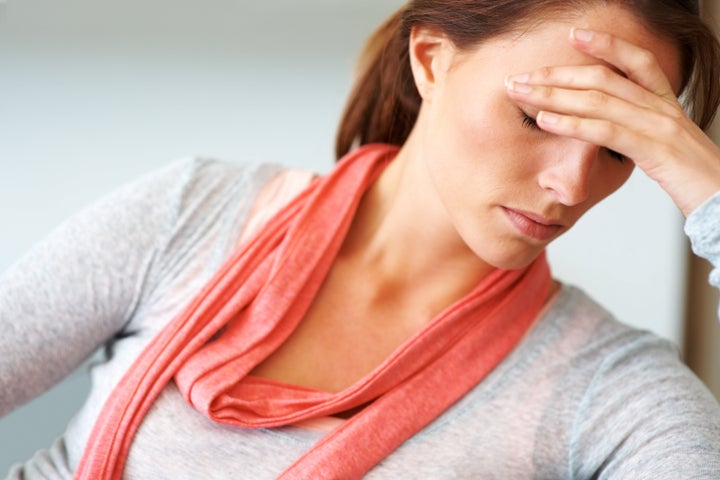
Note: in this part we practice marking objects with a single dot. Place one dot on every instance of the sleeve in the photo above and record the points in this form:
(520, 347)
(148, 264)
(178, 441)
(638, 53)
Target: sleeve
(646, 416)
(701, 227)
(77, 288)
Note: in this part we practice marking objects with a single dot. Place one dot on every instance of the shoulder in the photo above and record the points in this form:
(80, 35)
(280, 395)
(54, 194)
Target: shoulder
(585, 396)
(193, 194)
(639, 409)
(610, 354)
(194, 210)
(192, 177)
(229, 195)
(161, 194)
(577, 329)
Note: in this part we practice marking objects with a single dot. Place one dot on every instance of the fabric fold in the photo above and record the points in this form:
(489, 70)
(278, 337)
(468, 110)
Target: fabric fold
(255, 302)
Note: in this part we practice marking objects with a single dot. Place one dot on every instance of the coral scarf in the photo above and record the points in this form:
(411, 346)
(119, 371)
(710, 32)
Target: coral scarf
(255, 301)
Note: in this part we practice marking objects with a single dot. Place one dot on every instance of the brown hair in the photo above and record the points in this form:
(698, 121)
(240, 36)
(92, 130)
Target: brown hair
(384, 102)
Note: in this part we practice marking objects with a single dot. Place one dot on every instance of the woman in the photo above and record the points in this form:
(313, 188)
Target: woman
(395, 318)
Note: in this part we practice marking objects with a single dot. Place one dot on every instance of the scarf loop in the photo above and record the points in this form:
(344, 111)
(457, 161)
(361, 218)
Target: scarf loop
(255, 301)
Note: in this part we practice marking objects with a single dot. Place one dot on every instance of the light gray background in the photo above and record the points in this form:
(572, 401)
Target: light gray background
(94, 93)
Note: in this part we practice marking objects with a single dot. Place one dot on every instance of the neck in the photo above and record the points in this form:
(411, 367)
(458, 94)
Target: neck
(403, 237)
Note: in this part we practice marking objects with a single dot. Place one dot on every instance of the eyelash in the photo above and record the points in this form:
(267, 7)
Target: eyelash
(531, 123)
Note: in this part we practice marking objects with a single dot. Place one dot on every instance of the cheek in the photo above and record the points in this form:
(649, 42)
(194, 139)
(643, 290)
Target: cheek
(474, 139)
(480, 121)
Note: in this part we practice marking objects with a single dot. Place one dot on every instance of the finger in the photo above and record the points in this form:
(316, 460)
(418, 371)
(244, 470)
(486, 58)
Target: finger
(644, 148)
(685, 165)
(595, 131)
(596, 77)
(589, 104)
(638, 64)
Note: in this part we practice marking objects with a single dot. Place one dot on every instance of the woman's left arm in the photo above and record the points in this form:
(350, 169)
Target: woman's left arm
(626, 104)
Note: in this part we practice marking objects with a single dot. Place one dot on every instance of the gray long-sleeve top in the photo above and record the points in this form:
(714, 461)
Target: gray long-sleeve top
(583, 396)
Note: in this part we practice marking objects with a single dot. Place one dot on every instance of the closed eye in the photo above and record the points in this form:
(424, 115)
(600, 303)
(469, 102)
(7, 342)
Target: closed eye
(529, 122)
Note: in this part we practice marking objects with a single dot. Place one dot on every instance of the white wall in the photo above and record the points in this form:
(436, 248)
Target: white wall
(94, 93)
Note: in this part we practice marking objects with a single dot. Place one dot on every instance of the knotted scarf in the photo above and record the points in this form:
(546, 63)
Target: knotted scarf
(256, 300)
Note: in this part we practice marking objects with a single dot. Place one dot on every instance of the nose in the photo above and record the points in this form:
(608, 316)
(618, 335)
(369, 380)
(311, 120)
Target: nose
(568, 171)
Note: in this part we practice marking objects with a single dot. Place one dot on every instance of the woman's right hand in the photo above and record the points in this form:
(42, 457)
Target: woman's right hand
(629, 107)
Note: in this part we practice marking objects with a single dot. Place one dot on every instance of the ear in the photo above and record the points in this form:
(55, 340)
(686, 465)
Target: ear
(431, 54)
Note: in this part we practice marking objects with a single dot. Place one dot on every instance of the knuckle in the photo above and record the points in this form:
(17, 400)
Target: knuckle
(597, 100)
(545, 73)
(600, 74)
(669, 107)
(675, 112)
(546, 93)
(670, 126)
(645, 60)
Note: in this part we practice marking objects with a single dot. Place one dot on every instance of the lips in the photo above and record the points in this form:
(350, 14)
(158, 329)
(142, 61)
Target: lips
(533, 225)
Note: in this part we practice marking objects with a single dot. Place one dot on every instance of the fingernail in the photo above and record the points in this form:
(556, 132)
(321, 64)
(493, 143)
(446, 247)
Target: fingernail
(582, 35)
(518, 87)
(547, 118)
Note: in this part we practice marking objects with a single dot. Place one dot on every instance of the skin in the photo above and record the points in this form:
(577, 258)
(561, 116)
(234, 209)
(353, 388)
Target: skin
(637, 114)
(479, 157)
(440, 217)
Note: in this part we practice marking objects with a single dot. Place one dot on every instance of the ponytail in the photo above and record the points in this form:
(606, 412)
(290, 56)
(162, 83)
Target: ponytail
(384, 102)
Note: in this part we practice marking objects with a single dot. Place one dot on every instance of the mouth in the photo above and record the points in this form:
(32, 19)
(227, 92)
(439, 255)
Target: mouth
(533, 225)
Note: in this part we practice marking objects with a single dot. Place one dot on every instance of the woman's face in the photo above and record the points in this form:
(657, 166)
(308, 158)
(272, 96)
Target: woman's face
(508, 188)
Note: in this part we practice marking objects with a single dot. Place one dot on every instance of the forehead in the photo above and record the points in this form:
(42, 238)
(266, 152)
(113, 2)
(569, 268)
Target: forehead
(545, 42)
